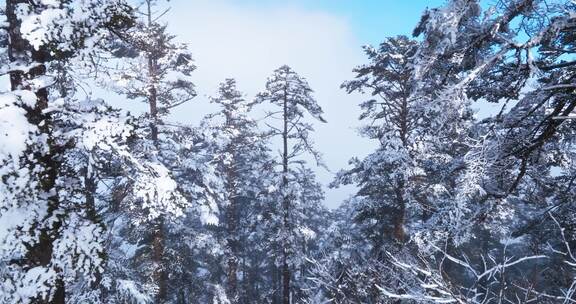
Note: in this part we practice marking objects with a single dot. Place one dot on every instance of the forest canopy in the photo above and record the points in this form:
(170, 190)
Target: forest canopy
(98, 205)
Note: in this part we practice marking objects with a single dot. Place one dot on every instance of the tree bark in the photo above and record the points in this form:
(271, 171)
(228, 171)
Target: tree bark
(400, 218)
(231, 215)
(286, 207)
(159, 274)
(158, 237)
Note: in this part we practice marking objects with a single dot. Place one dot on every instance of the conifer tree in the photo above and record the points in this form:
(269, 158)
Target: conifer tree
(241, 154)
(293, 96)
(165, 85)
(394, 123)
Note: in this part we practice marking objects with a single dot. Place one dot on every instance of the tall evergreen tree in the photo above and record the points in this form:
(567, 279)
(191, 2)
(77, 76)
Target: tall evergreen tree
(388, 178)
(165, 84)
(241, 157)
(293, 96)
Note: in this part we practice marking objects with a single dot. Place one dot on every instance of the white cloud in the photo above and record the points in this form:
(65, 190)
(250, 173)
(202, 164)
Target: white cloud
(249, 42)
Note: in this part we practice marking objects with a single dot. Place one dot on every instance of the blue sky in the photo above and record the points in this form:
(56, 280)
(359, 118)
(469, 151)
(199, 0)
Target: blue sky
(319, 39)
(371, 19)
(374, 19)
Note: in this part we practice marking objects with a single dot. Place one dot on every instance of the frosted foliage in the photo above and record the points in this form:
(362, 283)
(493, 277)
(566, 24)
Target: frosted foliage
(37, 211)
(129, 291)
(442, 25)
(21, 204)
(24, 209)
(295, 191)
(285, 84)
(490, 180)
(155, 190)
(158, 191)
(16, 128)
(81, 239)
(453, 205)
(220, 296)
(158, 63)
(18, 177)
(63, 23)
(418, 134)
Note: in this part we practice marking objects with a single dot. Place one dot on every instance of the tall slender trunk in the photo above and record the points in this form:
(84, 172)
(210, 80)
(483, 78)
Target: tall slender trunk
(233, 258)
(286, 207)
(152, 90)
(231, 215)
(159, 274)
(275, 285)
(47, 163)
(303, 267)
(158, 237)
(158, 229)
(400, 218)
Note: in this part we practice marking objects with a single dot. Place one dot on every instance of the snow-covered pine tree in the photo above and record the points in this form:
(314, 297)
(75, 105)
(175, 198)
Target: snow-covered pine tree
(264, 226)
(401, 183)
(293, 98)
(389, 177)
(241, 156)
(51, 239)
(164, 84)
(421, 128)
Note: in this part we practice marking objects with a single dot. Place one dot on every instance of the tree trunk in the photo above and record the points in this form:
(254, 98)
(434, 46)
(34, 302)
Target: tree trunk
(47, 163)
(286, 207)
(231, 218)
(159, 274)
(158, 237)
(152, 91)
(153, 103)
(400, 218)
(232, 240)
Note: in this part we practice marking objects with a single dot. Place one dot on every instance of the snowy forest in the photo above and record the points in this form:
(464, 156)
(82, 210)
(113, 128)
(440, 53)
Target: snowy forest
(100, 205)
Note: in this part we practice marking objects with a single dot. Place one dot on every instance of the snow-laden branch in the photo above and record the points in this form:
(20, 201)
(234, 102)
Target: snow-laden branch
(434, 287)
